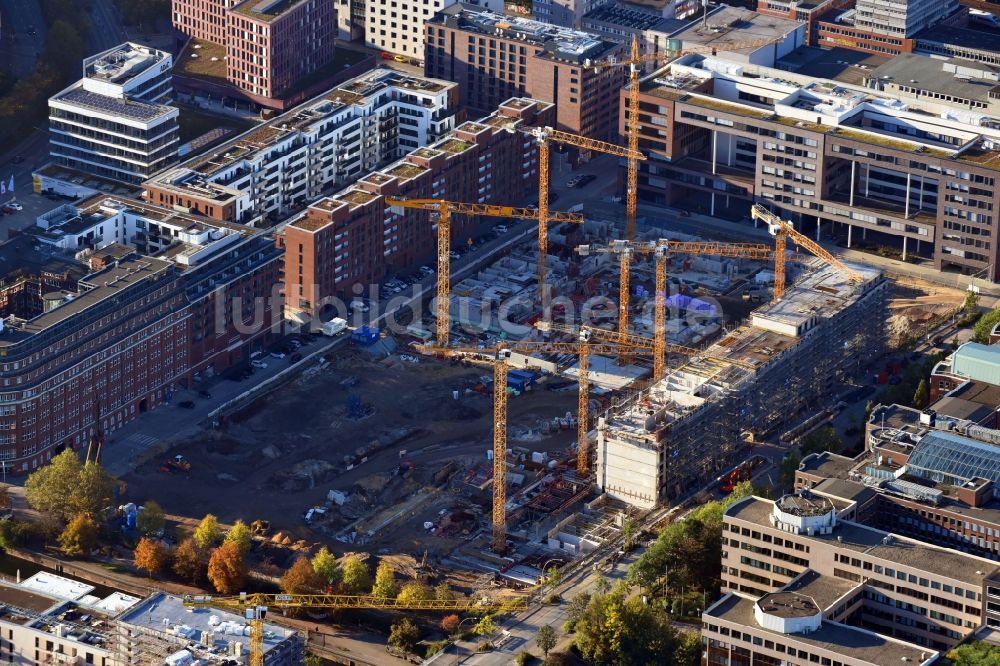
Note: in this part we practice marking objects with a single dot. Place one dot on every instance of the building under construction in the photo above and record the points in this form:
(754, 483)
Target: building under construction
(698, 420)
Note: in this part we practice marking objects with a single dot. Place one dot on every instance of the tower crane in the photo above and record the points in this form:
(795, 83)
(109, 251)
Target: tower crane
(589, 341)
(544, 135)
(674, 49)
(253, 607)
(782, 230)
(444, 210)
(661, 249)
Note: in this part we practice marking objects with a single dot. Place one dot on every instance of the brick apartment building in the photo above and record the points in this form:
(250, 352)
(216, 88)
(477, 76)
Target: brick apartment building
(277, 168)
(352, 238)
(167, 299)
(269, 45)
(876, 580)
(721, 136)
(494, 57)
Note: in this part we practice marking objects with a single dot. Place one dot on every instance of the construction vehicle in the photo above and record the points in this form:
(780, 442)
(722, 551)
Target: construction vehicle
(176, 464)
(254, 608)
(588, 342)
(661, 250)
(782, 230)
(673, 49)
(444, 210)
(545, 135)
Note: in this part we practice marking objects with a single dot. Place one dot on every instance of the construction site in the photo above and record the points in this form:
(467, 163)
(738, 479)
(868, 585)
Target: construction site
(580, 379)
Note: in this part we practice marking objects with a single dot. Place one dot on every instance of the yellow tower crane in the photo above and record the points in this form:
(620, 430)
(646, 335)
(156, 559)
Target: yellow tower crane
(444, 210)
(589, 341)
(782, 230)
(254, 608)
(674, 49)
(661, 249)
(545, 135)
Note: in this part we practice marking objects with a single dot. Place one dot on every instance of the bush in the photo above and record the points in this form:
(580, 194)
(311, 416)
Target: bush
(523, 658)
(435, 647)
(484, 646)
(553, 599)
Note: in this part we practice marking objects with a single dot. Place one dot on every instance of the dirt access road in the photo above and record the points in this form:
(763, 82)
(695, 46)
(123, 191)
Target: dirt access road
(282, 454)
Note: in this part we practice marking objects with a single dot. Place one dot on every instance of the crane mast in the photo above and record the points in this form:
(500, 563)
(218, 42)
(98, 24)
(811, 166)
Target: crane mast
(444, 210)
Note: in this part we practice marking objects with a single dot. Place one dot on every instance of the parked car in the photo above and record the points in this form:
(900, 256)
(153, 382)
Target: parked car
(278, 354)
(186, 404)
(15, 205)
(258, 364)
(295, 358)
(204, 394)
(386, 55)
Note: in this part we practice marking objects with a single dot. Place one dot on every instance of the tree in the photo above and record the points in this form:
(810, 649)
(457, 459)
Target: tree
(975, 653)
(356, 578)
(93, 491)
(981, 331)
(442, 592)
(449, 623)
(208, 533)
(545, 639)
(385, 582)
(787, 468)
(151, 519)
(821, 439)
(80, 536)
(619, 631)
(576, 607)
(325, 566)
(239, 534)
(559, 659)
(414, 592)
(187, 561)
(227, 570)
(66, 487)
(310, 659)
(629, 531)
(151, 555)
(688, 649)
(922, 395)
(554, 577)
(486, 626)
(971, 303)
(404, 635)
(602, 585)
(301, 578)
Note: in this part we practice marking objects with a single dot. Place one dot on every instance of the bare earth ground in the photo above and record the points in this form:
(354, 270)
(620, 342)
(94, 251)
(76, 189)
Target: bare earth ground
(281, 455)
(915, 304)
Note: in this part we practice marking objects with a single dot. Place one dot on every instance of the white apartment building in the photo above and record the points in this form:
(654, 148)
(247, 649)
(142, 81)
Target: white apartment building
(314, 149)
(115, 122)
(397, 26)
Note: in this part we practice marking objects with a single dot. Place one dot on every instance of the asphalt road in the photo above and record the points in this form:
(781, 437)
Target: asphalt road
(18, 49)
(106, 26)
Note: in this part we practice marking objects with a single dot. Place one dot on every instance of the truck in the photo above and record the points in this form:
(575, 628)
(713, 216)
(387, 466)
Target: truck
(334, 326)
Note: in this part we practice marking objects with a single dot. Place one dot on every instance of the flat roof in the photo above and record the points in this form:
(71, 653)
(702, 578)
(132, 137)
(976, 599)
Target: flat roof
(265, 10)
(162, 612)
(123, 62)
(825, 591)
(555, 41)
(964, 37)
(838, 638)
(23, 598)
(828, 464)
(123, 108)
(634, 19)
(848, 535)
(925, 73)
(57, 586)
(733, 24)
(836, 64)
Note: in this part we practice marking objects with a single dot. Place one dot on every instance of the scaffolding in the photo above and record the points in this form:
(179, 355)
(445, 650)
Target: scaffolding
(695, 422)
